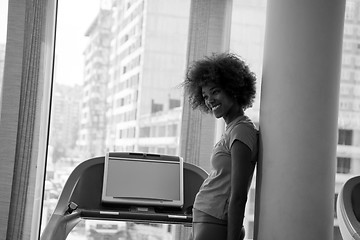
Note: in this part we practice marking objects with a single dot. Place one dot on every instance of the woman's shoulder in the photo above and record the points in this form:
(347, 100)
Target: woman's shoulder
(242, 122)
(243, 130)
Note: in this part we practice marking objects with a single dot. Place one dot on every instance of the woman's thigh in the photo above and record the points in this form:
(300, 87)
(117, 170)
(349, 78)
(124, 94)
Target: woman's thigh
(209, 231)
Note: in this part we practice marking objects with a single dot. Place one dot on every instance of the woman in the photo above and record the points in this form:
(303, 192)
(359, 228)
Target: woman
(224, 86)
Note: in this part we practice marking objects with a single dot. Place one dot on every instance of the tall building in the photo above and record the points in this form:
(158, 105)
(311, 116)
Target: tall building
(159, 132)
(129, 69)
(96, 75)
(64, 120)
(143, 97)
(132, 76)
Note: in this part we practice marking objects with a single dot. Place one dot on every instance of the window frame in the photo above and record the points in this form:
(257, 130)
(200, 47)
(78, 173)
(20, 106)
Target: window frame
(28, 69)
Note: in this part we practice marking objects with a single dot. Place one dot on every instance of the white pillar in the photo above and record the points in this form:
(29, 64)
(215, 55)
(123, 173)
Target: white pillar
(298, 120)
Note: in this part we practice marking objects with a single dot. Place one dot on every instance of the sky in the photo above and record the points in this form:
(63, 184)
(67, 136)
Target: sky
(74, 17)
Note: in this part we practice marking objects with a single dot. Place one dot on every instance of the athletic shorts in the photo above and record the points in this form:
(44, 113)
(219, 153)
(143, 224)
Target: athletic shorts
(201, 217)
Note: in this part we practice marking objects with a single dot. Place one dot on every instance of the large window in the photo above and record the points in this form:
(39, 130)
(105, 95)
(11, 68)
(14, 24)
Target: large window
(117, 72)
(117, 68)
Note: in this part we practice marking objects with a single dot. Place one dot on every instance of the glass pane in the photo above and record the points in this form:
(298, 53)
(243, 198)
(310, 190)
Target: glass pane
(118, 66)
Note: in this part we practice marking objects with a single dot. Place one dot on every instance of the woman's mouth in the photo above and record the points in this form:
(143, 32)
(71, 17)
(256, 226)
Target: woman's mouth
(214, 108)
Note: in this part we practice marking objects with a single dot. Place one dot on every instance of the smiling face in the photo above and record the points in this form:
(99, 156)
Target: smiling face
(220, 103)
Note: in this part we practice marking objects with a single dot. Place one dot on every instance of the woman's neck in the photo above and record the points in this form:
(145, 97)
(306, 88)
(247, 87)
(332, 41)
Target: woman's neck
(233, 115)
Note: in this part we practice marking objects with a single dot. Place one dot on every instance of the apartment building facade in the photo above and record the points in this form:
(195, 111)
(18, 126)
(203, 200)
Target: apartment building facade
(145, 72)
(91, 141)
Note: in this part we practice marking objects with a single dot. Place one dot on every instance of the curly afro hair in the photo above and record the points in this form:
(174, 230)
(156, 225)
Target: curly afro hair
(225, 70)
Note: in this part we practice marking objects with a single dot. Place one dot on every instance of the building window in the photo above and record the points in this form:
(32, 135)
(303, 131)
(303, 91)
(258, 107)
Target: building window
(345, 137)
(160, 150)
(343, 165)
(143, 149)
(172, 130)
(171, 150)
(174, 103)
(145, 132)
(161, 131)
(156, 107)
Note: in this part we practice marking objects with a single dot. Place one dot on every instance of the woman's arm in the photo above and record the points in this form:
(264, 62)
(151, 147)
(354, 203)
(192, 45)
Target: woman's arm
(241, 168)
